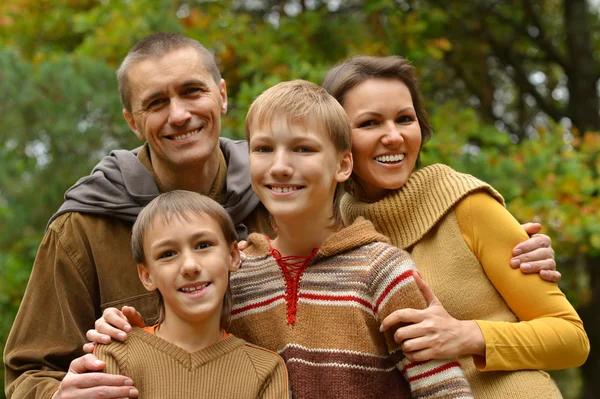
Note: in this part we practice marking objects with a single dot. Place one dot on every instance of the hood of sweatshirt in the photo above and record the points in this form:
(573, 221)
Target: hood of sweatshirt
(121, 186)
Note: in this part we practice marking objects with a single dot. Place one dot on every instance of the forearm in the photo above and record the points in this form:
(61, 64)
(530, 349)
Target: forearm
(549, 334)
(47, 332)
(546, 343)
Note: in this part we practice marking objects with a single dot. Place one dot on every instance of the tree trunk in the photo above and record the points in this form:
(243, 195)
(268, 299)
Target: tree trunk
(591, 321)
(582, 69)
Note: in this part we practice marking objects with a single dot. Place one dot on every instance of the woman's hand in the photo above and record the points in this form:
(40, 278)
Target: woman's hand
(536, 254)
(114, 324)
(434, 334)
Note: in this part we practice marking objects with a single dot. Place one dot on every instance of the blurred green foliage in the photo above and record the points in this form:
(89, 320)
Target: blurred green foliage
(60, 111)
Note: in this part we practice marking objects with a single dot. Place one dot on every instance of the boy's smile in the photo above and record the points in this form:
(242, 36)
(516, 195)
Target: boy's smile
(294, 170)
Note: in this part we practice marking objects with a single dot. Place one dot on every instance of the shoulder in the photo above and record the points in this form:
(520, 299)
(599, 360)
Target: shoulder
(263, 359)
(76, 227)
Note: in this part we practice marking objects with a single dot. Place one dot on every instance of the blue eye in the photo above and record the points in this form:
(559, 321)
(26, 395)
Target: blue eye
(263, 149)
(305, 149)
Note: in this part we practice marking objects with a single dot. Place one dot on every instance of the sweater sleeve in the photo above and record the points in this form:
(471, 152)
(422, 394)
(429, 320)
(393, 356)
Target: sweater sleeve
(44, 339)
(394, 288)
(276, 386)
(550, 334)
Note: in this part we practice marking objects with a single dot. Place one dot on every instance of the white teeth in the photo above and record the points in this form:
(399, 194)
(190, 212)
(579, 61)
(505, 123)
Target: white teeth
(284, 189)
(390, 158)
(197, 288)
(185, 135)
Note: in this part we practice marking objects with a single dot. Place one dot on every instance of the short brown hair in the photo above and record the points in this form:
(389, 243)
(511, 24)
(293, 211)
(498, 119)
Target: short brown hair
(350, 73)
(157, 45)
(305, 104)
(178, 204)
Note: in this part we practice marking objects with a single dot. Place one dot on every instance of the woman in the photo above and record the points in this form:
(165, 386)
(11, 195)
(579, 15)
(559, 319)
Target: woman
(460, 235)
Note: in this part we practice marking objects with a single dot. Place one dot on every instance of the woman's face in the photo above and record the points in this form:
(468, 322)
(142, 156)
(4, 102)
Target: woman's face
(386, 136)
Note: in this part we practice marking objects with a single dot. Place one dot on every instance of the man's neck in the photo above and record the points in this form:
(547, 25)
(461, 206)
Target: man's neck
(199, 178)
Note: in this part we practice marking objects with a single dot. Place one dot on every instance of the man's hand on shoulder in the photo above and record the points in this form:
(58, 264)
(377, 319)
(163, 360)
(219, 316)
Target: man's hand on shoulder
(85, 379)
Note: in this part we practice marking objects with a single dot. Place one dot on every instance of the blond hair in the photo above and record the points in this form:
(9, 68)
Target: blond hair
(179, 204)
(305, 104)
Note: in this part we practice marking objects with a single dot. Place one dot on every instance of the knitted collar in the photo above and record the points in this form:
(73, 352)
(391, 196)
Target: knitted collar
(410, 212)
(359, 233)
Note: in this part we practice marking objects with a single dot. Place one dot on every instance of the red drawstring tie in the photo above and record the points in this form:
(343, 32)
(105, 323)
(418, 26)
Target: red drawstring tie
(292, 268)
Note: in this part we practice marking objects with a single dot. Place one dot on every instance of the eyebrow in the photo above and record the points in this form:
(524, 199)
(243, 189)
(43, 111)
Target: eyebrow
(199, 235)
(409, 108)
(190, 82)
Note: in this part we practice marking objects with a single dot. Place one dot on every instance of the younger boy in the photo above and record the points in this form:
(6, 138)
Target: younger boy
(318, 292)
(185, 245)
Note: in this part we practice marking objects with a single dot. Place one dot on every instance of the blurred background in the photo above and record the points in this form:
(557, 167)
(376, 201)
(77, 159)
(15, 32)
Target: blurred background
(512, 88)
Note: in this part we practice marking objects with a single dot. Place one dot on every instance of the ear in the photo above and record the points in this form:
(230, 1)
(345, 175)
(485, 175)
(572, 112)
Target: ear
(132, 125)
(344, 169)
(234, 253)
(223, 93)
(146, 277)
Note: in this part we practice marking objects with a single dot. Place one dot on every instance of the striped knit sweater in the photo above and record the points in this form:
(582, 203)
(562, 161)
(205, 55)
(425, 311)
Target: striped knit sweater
(229, 368)
(326, 325)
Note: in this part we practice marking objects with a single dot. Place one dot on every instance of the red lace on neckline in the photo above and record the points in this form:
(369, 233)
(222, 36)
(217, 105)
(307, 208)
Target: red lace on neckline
(292, 268)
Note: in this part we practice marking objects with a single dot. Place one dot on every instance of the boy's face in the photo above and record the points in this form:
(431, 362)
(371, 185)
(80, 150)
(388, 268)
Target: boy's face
(188, 261)
(295, 170)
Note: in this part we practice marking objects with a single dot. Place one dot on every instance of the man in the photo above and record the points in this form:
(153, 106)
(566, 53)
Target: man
(173, 98)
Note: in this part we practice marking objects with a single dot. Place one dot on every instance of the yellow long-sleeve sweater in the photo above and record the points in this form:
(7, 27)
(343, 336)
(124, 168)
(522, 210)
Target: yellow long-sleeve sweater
(461, 238)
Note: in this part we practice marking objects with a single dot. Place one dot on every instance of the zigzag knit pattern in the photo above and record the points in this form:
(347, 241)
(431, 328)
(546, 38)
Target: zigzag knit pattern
(334, 348)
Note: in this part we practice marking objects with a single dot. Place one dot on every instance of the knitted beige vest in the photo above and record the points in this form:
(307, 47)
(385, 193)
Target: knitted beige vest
(419, 218)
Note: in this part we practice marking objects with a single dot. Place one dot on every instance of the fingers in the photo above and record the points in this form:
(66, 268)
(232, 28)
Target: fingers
(552, 276)
(112, 324)
(408, 333)
(532, 228)
(95, 338)
(401, 316)
(533, 262)
(535, 242)
(133, 317)
(242, 245)
(420, 356)
(86, 363)
(96, 385)
(89, 347)
(430, 297)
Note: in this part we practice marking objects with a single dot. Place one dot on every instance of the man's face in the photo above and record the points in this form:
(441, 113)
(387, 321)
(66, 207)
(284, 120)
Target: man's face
(176, 106)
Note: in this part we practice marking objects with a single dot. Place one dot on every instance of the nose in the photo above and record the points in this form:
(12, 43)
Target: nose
(393, 135)
(281, 165)
(191, 265)
(178, 112)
